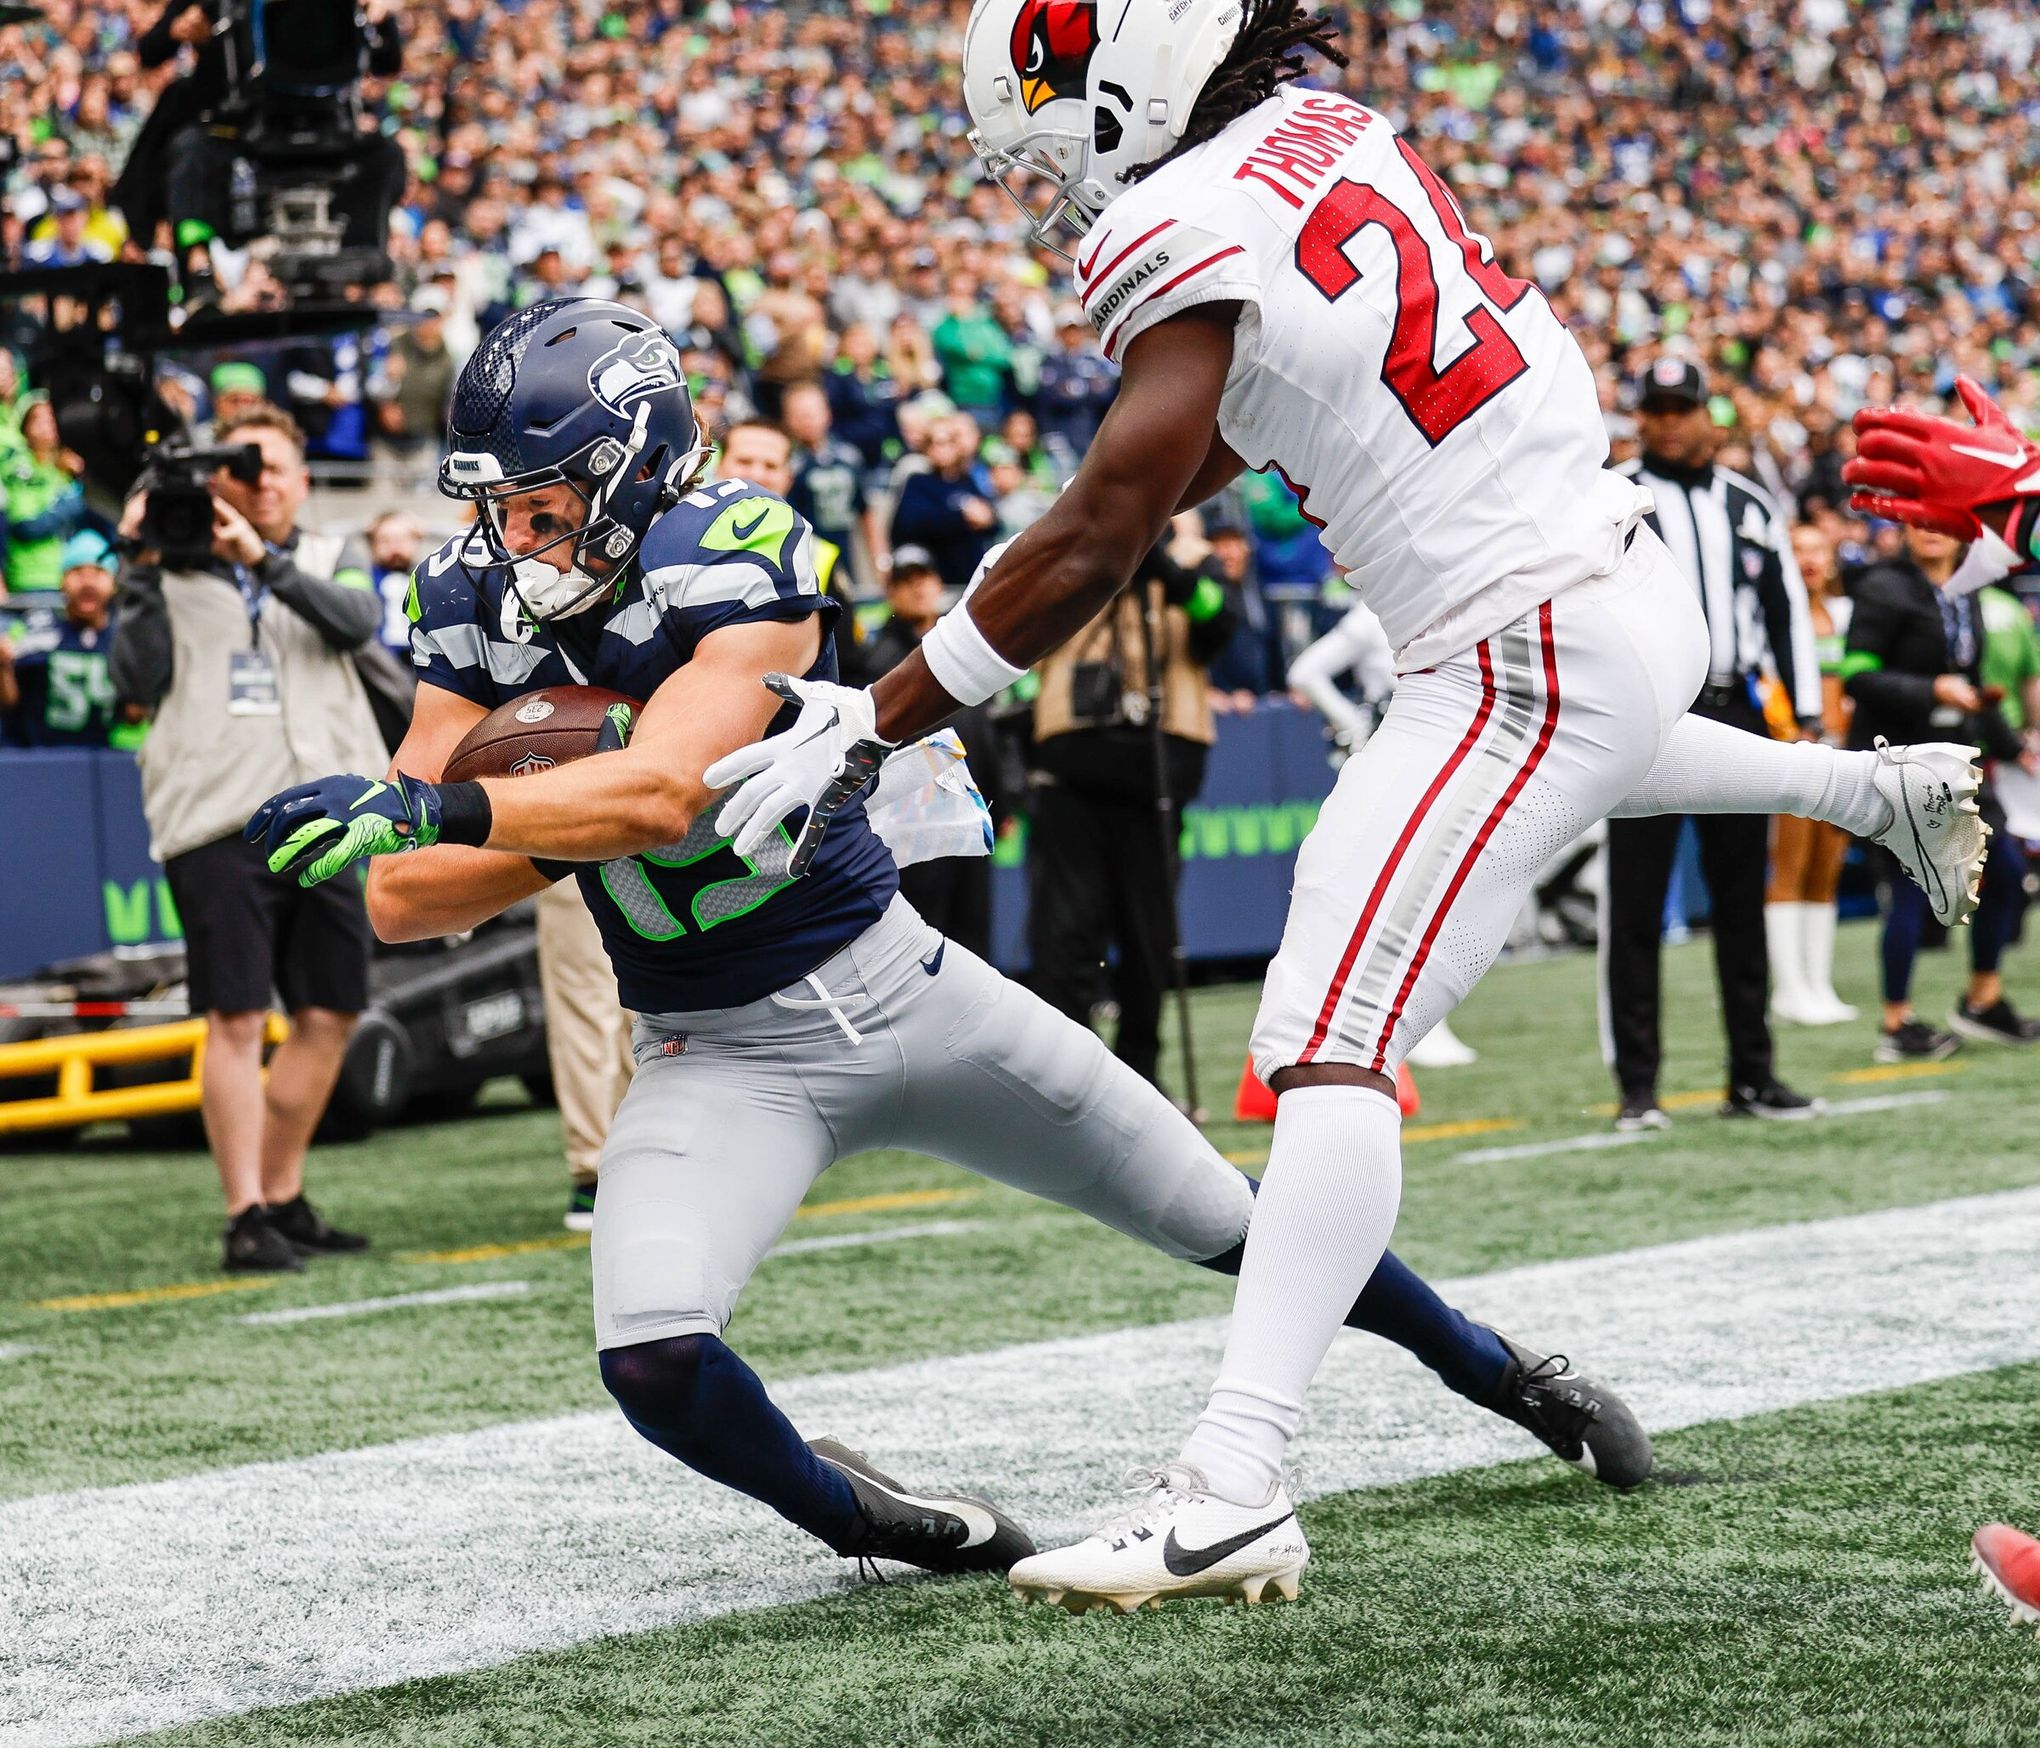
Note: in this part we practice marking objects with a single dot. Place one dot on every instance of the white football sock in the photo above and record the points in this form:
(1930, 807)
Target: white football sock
(1708, 767)
(1323, 1217)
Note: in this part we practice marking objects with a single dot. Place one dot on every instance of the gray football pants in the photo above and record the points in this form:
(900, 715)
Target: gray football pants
(734, 1112)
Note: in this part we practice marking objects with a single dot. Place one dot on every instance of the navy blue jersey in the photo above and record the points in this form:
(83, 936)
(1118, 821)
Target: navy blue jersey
(66, 692)
(690, 924)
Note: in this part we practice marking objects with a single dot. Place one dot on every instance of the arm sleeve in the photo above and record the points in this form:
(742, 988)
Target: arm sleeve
(1356, 645)
(344, 612)
(1987, 561)
(140, 663)
(1873, 629)
(1788, 625)
(1147, 267)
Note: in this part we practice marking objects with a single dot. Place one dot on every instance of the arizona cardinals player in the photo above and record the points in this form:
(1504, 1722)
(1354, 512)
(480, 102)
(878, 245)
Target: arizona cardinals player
(1286, 284)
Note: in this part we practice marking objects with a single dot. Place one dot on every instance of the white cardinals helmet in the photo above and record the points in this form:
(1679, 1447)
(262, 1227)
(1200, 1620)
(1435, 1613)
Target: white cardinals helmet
(1079, 92)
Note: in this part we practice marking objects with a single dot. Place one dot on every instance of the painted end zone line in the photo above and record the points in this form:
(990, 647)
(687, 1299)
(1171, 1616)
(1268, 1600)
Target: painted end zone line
(514, 1289)
(394, 1302)
(464, 1550)
(1619, 1138)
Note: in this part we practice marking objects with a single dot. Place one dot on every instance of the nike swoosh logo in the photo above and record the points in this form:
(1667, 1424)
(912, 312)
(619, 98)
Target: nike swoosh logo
(2008, 457)
(369, 794)
(1188, 1562)
(741, 525)
(980, 1522)
(933, 963)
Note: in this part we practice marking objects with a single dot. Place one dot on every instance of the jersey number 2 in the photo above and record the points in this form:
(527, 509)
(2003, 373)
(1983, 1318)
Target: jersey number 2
(1437, 401)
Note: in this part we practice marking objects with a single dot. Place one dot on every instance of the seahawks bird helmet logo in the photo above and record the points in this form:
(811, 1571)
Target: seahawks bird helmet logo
(636, 367)
(1052, 45)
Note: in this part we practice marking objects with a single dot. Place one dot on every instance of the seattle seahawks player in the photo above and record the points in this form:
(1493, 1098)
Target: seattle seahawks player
(782, 1023)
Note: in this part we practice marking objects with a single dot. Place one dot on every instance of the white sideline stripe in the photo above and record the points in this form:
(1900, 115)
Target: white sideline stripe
(510, 1289)
(394, 1302)
(884, 1235)
(1620, 1138)
(134, 1608)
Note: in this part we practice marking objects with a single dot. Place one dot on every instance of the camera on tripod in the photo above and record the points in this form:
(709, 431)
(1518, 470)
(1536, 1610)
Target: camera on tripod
(178, 521)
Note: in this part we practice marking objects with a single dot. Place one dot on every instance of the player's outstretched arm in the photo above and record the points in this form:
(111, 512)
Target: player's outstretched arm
(450, 887)
(1156, 450)
(635, 798)
(651, 792)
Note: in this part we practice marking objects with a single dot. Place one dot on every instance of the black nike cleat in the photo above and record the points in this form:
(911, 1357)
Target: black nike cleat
(941, 1532)
(1583, 1421)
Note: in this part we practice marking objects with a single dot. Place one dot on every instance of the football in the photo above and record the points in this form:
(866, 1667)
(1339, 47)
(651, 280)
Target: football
(533, 733)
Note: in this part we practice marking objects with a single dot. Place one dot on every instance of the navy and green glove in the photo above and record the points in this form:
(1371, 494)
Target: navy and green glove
(317, 829)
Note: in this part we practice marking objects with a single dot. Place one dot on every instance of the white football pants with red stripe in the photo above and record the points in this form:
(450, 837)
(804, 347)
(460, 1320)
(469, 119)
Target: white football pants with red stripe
(1482, 769)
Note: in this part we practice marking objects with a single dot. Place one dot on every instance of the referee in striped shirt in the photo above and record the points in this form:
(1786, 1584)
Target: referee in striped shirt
(1728, 537)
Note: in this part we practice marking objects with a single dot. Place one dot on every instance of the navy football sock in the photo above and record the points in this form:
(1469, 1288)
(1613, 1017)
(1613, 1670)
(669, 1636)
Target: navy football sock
(1399, 1306)
(692, 1397)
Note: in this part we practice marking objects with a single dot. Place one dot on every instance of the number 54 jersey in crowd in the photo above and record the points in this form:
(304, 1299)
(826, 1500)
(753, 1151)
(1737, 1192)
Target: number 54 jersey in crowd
(691, 924)
(1434, 417)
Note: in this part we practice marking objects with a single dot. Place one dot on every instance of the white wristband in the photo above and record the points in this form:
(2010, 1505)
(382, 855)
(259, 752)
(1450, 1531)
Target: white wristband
(963, 663)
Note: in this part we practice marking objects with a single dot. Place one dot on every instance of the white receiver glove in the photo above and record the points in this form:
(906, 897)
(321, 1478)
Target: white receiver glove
(826, 758)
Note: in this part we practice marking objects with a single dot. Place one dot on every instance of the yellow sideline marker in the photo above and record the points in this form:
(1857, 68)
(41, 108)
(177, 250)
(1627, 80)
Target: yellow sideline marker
(1414, 1133)
(1686, 1101)
(1896, 1071)
(148, 1295)
(579, 1240)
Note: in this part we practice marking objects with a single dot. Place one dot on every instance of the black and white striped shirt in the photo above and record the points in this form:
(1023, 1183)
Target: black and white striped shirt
(1727, 535)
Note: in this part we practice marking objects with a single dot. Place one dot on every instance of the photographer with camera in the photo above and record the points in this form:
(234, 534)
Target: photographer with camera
(237, 632)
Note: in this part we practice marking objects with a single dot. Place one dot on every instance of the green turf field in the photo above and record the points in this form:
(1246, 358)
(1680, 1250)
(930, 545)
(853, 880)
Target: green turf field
(1797, 1577)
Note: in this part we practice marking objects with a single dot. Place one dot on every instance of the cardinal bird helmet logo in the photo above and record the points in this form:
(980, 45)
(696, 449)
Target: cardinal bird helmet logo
(1052, 44)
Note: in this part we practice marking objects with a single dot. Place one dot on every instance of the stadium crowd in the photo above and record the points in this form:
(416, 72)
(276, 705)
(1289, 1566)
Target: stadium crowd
(1822, 203)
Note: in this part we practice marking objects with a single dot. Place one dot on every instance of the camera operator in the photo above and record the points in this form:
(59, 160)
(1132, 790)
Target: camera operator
(1101, 860)
(176, 167)
(243, 657)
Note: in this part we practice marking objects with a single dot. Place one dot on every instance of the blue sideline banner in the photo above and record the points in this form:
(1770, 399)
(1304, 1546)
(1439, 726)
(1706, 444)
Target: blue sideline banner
(82, 881)
(1263, 785)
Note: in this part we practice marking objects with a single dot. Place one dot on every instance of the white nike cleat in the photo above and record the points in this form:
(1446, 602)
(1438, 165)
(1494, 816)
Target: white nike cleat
(1936, 832)
(1180, 1540)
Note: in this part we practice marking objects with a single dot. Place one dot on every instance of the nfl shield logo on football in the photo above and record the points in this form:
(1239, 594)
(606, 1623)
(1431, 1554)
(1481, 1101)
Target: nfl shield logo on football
(531, 762)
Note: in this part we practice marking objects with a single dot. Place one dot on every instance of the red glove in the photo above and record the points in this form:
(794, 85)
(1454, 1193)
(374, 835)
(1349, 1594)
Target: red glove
(1936, 473)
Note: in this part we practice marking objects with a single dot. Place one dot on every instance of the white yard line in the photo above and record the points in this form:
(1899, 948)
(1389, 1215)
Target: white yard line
(884, 1235)
(1601, 1138)
(133, 1608)
(19, 1350)
(393, 1302)
(511, 1289)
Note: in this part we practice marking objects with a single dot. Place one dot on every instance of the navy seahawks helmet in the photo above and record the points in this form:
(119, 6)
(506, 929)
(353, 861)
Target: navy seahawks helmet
(582, 393)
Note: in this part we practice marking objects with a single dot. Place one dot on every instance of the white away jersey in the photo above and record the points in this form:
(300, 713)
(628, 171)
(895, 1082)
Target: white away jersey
(1435, 418)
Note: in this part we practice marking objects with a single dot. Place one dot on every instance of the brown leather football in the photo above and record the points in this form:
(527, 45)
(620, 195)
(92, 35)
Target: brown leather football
(553, 726)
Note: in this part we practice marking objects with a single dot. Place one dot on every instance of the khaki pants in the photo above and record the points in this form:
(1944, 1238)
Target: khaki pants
(587, 1033)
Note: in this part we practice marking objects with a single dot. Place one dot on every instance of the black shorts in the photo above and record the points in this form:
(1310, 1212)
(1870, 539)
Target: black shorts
(250, 935)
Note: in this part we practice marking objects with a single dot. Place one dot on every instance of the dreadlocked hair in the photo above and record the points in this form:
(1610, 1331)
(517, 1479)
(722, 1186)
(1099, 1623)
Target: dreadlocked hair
(1266, 55)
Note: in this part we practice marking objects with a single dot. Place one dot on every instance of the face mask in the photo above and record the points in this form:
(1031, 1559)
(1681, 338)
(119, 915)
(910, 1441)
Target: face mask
(538, 593)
